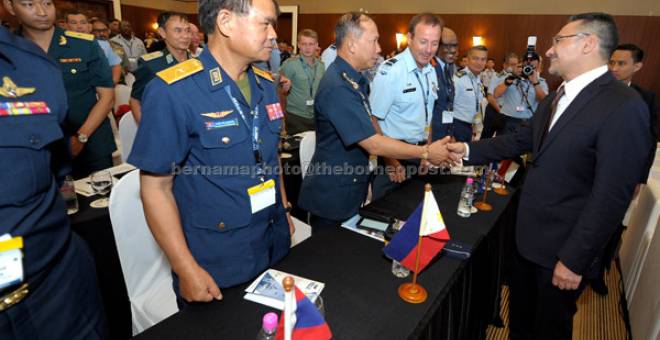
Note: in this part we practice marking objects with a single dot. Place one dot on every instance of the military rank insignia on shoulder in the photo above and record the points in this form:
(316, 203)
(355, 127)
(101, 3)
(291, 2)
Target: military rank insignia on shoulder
(179, 71)
(460, 73)
(84, 36)
(152, 55)
(262, 73)
(387, 65)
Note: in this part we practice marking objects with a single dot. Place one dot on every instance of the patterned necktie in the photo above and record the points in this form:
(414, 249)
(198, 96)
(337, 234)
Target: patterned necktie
(553, 107)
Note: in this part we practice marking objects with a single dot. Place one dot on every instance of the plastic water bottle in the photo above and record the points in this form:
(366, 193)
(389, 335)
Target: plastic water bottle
(268, 327)
(465, 202)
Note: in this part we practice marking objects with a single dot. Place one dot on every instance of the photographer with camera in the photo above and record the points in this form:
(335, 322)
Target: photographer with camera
(521, 91)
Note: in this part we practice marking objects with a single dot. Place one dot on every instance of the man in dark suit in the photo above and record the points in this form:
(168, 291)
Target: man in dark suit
(626, 60)
(444, 68)
(589, 142)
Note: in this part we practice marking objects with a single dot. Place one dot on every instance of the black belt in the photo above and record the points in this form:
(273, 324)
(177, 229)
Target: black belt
(14, 294)
(424, 142)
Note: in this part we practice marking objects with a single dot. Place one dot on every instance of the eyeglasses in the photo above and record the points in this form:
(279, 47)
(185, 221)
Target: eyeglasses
(100, 30)
(558, 38)
(449, 46)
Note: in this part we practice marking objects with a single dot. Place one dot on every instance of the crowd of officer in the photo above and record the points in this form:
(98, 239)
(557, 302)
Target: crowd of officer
(210, 106)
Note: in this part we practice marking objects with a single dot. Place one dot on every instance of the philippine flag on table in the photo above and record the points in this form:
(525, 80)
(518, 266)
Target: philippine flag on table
(310, 325)
(425, 222)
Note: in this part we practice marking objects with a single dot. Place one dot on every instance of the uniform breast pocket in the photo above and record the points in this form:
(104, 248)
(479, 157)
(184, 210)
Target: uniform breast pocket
(226, 143)
(75, 74)
(25, 160)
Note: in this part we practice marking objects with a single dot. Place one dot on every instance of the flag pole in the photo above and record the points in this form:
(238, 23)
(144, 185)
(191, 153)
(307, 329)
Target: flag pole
(413, 292)
(483, 205)
(289, 307)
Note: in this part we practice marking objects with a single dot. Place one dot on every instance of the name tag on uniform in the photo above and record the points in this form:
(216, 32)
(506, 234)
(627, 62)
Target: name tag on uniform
(447, 117)
(412, 89)
(262, 195)
(11, 261)
(310, 102)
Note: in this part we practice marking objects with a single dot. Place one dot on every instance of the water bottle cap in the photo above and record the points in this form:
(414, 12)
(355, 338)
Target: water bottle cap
(470, 180)
(269, 322)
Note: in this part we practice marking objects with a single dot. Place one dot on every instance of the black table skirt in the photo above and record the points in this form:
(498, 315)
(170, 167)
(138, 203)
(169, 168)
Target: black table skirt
(93, 226)
(360, 297)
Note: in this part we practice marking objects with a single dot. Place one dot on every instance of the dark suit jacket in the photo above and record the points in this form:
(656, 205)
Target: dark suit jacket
(581, 178)
(649, 98)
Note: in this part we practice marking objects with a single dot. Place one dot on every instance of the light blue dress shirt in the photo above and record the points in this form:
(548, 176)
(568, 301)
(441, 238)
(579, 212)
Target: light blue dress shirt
(402, 97)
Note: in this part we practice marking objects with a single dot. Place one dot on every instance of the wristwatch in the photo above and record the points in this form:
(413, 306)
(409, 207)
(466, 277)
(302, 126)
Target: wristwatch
(288, 207)
(537, 83)
(82, 138)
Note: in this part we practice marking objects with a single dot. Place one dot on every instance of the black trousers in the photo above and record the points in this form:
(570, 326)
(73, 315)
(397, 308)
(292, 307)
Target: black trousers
(537, 309)
(493, 122)
(323, 225)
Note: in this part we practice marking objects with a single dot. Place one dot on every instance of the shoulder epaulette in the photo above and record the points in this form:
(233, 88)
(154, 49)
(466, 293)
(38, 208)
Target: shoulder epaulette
(391, 61)
(502, 74)
(460, 73)
(333, 47)
(179, 71)
(84, 36)
(152, 55)
(262, 73)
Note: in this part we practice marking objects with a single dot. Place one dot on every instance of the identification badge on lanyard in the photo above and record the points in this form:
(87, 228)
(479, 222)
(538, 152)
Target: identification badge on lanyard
(11, 261)
(310, 102)
(427, 132)
(262, 195)
(447, 117)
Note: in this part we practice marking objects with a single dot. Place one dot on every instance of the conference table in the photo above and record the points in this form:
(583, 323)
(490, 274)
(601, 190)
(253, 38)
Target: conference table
(360, 296)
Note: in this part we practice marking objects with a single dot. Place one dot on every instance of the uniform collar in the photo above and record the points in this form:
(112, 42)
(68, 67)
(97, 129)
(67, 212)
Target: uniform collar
(343, 66)
(216, 77)
(24, 44)
(59, 39)
(411, 64)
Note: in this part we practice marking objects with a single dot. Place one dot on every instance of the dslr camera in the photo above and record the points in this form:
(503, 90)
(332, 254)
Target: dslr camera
(529, 56)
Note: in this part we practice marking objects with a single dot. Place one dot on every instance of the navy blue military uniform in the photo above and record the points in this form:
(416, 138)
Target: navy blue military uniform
(342, 121)
(84, 68)
(148, 66)
(445, 101)
(62, 300)
(192, 128)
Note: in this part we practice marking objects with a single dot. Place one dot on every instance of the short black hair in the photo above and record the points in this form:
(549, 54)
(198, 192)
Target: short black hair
(349, 23)
(424, 18)
(601, 25)
(101, 20)
(165, 16)
(476, 48)
(74, 12)
(636, 52)
(209, 9)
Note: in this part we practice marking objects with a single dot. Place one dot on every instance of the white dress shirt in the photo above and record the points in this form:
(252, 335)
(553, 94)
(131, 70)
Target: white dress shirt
(573, 88)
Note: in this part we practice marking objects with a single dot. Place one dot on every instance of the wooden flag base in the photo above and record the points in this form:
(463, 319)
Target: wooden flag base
(501, 190)
(483, 206)
(412, 293)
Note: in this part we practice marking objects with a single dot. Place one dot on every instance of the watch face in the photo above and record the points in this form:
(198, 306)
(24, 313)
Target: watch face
(82, 138)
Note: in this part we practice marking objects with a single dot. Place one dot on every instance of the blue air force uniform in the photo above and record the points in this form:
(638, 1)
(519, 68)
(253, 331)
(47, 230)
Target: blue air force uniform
(148, 66)
(469, 92)
(402, 98)
(84, 68)
(338, 176)
(62, 300)
(445, 100)
(192, 128)
(518, 102)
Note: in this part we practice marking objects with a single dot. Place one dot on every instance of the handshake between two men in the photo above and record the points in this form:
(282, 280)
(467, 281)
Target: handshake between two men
(445, 153)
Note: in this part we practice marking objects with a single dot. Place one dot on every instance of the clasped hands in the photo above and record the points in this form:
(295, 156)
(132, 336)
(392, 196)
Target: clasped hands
(445, 153)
